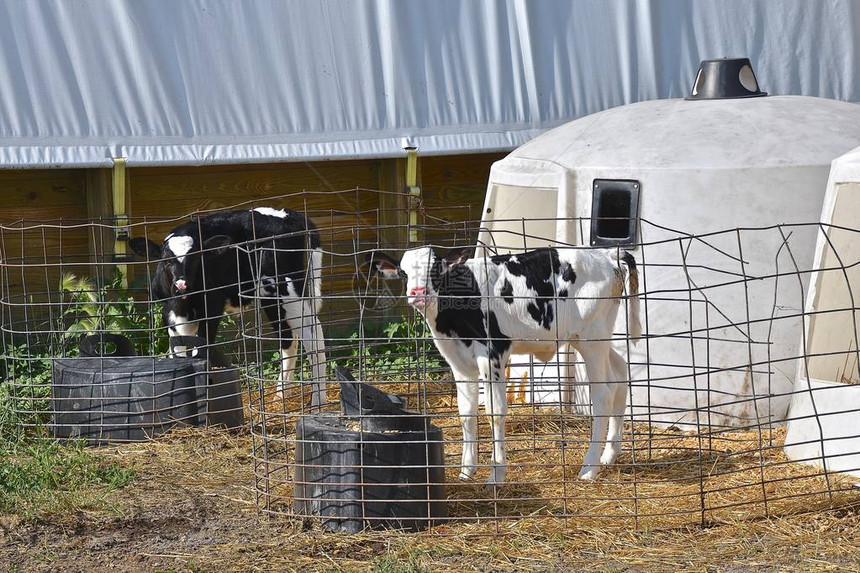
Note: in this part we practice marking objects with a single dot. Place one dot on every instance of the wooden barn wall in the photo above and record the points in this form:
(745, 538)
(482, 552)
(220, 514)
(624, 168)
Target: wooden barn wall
(34, 258)
(447, 183)
(453, 189)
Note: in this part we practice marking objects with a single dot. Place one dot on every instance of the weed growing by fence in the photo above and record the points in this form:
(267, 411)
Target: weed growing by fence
(91, 308)
(25, 391)
(400, 347)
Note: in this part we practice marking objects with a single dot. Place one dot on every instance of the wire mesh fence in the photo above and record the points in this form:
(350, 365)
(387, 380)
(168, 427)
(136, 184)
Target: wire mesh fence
(737, 401)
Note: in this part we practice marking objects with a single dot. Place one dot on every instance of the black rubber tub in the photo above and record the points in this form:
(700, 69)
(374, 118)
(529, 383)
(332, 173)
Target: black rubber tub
(224, 393)
(375, 465)
(128, 398)
(133, 398)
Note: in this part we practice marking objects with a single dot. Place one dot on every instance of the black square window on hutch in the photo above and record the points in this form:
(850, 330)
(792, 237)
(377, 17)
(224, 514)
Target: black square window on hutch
(614, 211)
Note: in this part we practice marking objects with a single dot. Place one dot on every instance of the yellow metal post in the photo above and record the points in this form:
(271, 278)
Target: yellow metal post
(414, 191)
(120, 217)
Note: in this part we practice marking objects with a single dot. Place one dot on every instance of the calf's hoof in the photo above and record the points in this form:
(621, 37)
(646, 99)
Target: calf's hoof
(609, 456)
(497, 477)
(589, 473)
(466, 473)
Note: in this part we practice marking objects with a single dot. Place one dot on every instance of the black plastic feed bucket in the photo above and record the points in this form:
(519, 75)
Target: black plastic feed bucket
(133, 398)
(125, 398)
(373, 466)
(223, 394)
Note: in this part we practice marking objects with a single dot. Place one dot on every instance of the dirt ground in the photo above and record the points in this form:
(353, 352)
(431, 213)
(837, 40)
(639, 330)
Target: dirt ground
(192, 508)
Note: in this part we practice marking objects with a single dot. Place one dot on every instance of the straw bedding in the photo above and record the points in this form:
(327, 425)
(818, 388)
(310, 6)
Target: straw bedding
(193, 507)
(664, 479)
(728, 501)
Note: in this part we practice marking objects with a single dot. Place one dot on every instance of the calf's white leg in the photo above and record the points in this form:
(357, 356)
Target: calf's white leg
(566, 358)
(496, 408)
(618, 399)
(288, 364)
(467, 405)
(312, 339)
(180, 326)
(313, 343)
(596, 358)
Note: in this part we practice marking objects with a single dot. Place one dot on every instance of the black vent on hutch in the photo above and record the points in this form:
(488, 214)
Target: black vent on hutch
(726, 78)
(614, 211)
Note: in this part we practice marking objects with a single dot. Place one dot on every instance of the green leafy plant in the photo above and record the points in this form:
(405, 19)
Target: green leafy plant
(27, 361)
(402, 347)
(25, 390)
(89, 308)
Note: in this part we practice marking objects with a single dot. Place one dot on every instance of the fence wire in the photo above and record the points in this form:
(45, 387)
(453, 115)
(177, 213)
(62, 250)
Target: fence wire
(741, 395)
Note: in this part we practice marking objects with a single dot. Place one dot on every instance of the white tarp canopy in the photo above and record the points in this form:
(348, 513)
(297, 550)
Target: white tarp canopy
(201, 82)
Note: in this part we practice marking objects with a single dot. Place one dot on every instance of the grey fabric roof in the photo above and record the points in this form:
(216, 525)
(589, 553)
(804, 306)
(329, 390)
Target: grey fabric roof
(163, 82)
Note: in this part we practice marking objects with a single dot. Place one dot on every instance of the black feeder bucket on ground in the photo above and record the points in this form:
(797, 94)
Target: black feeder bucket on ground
(109, 395)
(223, 394)
(375, 465)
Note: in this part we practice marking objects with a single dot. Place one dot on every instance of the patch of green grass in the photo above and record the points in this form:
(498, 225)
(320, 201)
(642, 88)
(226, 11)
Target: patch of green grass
(40, 477)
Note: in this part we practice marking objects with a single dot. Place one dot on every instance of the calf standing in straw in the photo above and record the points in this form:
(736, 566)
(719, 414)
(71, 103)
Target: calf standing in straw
(480, 311)
(200, 277)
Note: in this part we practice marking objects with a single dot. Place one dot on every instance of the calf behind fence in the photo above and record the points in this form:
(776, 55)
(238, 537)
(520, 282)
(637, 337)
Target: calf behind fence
(719, 377)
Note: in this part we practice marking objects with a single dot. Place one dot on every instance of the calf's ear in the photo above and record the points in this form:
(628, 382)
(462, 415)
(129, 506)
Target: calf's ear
(217, 245)
(144, 248)
(383, 265)
(458, 255)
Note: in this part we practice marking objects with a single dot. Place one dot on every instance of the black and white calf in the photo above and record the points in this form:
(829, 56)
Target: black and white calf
(200, 277)
(482, 310)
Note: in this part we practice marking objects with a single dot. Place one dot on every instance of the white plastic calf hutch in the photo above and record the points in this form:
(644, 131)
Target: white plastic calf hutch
(720, 338)
(824, 419)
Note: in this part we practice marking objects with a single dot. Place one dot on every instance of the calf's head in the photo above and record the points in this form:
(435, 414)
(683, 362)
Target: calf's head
(423, 271)
(178, 279)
